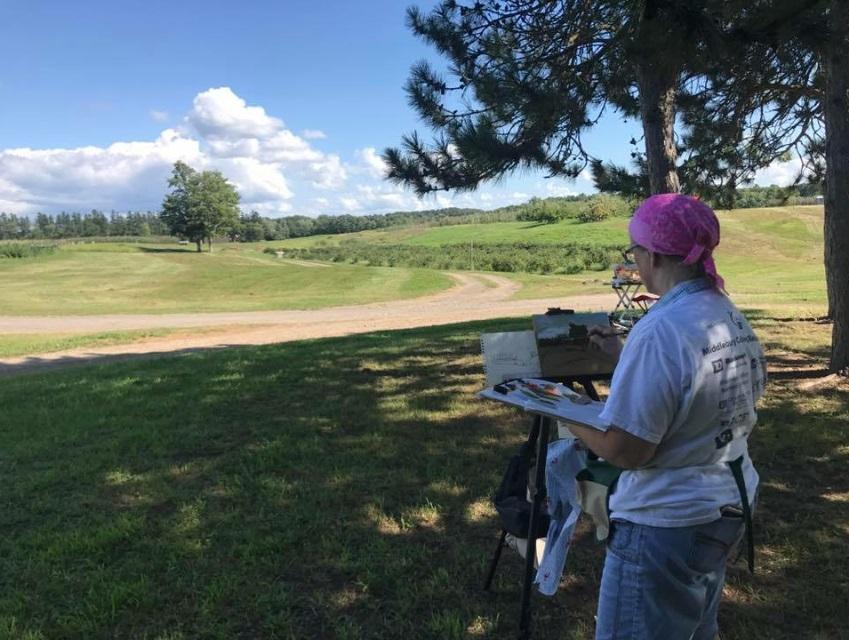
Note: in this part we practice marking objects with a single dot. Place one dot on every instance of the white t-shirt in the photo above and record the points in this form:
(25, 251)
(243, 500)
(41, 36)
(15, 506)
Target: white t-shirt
(688, 379)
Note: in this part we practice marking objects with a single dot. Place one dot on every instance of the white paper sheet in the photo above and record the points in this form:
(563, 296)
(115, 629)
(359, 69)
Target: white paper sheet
(509, 355)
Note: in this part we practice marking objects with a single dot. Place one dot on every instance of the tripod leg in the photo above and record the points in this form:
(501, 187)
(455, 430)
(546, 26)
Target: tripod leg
(495, 559)
(543, 425)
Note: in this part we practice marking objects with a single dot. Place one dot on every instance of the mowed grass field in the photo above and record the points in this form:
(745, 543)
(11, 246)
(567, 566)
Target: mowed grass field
(106, 278)
(769, 257)
(340, 489)
(596, 233)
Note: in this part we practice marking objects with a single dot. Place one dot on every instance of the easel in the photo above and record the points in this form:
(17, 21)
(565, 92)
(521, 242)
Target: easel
(630, 300)
(537, 438)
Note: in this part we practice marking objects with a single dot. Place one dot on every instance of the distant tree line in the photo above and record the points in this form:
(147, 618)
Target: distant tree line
(252, 227)
(80, 225)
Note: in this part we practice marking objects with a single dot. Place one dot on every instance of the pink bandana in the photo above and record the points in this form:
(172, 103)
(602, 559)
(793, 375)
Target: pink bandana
(677, 225)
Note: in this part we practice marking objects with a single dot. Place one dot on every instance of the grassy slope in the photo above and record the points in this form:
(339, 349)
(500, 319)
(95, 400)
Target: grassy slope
(766, 255)
(340, 489)
(597, 233)
(116, 278)
(774, 255)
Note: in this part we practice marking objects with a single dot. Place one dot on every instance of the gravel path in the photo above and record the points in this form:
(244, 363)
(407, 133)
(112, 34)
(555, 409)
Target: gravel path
(474, 297)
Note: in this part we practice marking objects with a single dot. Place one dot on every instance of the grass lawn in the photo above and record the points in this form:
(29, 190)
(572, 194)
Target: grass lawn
(604, 233)
(18, 344)
(768, 257)
(128, 278)
(778, 226)
(340, 488)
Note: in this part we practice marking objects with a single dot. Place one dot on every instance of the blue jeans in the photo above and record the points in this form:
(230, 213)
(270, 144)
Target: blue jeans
(664, 583)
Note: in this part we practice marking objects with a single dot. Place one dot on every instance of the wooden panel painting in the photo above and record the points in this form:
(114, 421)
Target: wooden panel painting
(564, 348)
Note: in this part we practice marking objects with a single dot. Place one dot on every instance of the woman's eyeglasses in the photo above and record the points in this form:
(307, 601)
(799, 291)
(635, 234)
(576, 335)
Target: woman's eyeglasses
(628, 254)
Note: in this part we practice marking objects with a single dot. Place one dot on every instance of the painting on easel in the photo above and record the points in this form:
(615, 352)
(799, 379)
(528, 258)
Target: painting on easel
(564, 347)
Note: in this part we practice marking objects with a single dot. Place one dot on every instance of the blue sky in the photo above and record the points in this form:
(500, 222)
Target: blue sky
(291, 100)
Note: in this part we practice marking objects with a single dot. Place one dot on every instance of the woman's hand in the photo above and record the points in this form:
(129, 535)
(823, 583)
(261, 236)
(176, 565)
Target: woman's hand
(607, 340)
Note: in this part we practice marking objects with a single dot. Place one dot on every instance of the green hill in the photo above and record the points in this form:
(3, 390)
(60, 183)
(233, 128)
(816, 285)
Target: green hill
(122, 278)
(768, 256)
(780, 227)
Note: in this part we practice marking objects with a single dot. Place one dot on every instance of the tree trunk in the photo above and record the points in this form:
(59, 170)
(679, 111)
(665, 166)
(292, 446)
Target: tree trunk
(658, 72)
(199, 243)
(837, 183)
(658, 88)
(209, 243)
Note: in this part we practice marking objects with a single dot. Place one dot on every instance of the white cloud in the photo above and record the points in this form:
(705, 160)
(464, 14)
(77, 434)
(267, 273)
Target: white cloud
(385, 196)
(558, 190)
(265, 161)
(159, 116)
(443, 201)
(779, 173)
(256, 182)
(372, 162)
(221, 113)
(86, 177)
(327, 173)
(275, 170)
(233, 129)
(350, 204)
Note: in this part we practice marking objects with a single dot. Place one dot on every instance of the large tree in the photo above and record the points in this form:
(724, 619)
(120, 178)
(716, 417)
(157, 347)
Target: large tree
(782, 86)
(529, 77)
(837, 181)
(200, 205)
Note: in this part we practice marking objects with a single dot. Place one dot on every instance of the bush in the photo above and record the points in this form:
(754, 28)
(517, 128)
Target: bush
(515, 257)
(24, 250)
(604, 206)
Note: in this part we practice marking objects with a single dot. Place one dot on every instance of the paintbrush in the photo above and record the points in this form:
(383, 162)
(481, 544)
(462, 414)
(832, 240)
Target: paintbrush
(587, 338)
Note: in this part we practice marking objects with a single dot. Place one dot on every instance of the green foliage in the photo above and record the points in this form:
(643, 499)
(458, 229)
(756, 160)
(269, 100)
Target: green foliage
(25, 250)
(12, 344)
(604, 206)
(200, 205)
(515, 257)
(94, 224)
(550, 210)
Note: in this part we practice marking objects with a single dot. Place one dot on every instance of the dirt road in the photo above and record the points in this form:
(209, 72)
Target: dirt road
(474, 297)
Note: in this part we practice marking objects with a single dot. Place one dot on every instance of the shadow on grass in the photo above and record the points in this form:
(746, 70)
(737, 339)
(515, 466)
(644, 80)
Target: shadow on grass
(30, 365)
(167, 250)
(335, 488)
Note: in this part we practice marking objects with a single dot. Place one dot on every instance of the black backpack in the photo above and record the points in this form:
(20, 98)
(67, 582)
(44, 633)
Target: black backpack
(511, 498)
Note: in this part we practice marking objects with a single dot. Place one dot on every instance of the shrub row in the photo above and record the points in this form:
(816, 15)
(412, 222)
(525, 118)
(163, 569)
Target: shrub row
(25, 250)
(515, 257)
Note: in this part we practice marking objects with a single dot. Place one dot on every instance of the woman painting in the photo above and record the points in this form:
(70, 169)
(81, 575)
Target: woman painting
(681, 408)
